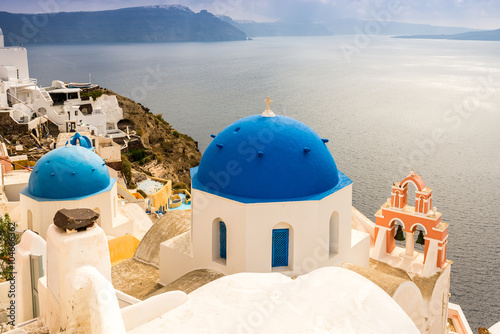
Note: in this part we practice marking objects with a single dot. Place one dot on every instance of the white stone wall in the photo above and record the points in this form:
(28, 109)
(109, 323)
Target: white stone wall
(327, 300)
(249, 236)
(43, 213)
(30, 244)
(65, 306)
(437, 306)
(109, 105)
(16, 57)
(409, 297)
(12, 191)
(110, 153)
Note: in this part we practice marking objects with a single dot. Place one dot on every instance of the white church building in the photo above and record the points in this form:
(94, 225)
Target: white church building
(71, 177)
(267, 197)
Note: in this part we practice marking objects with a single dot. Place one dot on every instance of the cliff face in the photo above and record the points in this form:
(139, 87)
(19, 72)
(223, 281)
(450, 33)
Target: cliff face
(137, 24)
(162, 151)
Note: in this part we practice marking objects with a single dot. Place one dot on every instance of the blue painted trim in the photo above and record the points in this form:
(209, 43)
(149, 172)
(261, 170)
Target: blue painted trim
(344, 181)
(26, 193)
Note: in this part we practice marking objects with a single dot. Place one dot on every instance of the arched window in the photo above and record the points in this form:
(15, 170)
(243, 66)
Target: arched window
(219, 241)
(334, 234)
(30, 220)
(222, 240)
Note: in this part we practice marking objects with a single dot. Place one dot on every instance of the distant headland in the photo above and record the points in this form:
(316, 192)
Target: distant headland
(137, 24)
(487, 35)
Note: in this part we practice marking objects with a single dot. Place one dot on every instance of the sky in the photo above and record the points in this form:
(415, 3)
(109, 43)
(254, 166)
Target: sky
(478, 14)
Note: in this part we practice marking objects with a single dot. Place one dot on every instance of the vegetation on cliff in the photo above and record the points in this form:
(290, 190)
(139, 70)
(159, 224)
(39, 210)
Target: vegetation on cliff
(161, 151)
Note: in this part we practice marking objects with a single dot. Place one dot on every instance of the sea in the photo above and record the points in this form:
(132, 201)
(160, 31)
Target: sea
(387, 106)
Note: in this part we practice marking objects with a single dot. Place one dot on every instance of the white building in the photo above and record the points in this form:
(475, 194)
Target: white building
(104, 146)
(30, 106)
(267, 197)
(76, 296)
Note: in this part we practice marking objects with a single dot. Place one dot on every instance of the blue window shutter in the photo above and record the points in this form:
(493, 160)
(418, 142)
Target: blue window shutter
(222, 239)
(280, 247)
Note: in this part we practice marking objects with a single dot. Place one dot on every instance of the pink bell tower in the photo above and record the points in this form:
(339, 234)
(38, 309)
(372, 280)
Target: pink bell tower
(422, 221)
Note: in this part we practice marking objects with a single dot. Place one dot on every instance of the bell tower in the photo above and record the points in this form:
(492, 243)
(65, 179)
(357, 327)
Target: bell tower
(398, 221)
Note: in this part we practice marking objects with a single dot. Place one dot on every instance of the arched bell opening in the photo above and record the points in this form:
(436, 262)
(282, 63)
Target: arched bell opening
(398, 233)
(419, 232)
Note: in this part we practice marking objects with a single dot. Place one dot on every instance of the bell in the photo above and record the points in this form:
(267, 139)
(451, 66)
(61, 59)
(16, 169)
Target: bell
(420, 239)
(399, 234)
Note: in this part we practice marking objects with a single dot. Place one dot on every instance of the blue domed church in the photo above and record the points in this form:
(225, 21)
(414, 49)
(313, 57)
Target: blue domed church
(71, 177)
(267, 196)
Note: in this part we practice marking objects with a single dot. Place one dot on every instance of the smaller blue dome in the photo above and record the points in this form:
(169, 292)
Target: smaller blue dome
(69, 172)
(80, 140)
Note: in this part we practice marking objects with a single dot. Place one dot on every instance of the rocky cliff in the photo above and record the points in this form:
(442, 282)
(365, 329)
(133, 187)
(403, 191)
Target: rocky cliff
(162, 151)
(155, 148)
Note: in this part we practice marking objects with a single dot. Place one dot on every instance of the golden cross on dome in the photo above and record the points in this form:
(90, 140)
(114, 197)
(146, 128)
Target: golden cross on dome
(268, 102)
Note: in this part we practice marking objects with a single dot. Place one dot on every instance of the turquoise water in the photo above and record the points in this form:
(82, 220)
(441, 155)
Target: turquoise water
(183, 206)
(431, 105)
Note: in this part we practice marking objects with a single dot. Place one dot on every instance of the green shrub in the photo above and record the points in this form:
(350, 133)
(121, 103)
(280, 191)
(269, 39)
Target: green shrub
(126, 168)
(137, 155)
(142, 193)
(160, 118)
(8, 239)
(94, 94)
(176, 134)
(139, 131)
(180, 185)
(186, 137)
(167, 146)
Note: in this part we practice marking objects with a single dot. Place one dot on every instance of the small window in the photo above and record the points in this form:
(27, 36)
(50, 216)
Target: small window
(30, 220)
(334, 234)
(222, 240)
(280, 247)
(72, 96)
(219, 241)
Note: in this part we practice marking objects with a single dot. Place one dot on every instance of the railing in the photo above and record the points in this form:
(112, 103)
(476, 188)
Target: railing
(45, 95)
(12, 48)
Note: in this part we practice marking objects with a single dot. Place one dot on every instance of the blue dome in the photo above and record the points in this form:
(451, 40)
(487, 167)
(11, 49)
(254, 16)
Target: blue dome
(267, 158)
(68, 172)
(80, 140)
